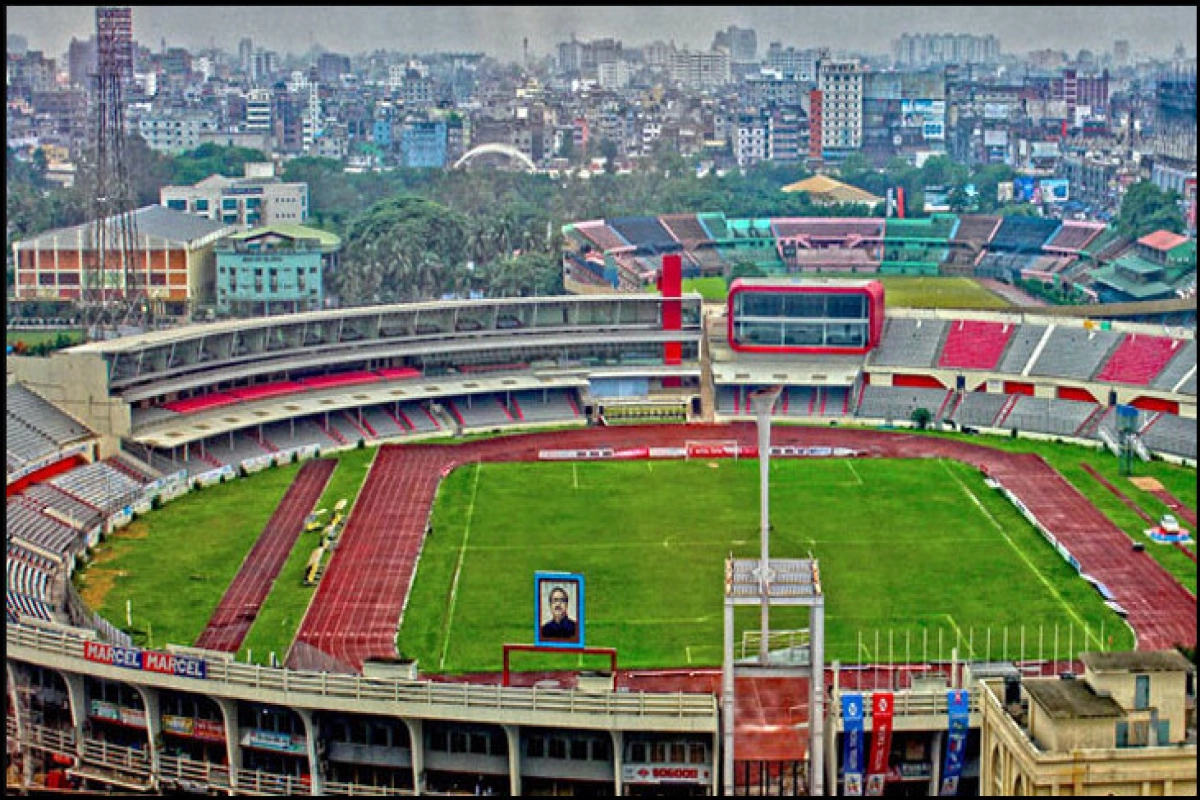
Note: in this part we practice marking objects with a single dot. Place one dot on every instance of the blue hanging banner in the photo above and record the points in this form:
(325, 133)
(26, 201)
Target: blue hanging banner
(956, 741)
(852, 744)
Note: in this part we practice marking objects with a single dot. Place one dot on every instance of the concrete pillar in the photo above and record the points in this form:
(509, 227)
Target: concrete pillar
(77, 691)
(513, 734)
(154, 738)
(816, 699)
(833, 702)
(315, 753)
(23, 720)
(618, 744)
(416, 746)
(727, 703)
(935, 760)
(233, 735)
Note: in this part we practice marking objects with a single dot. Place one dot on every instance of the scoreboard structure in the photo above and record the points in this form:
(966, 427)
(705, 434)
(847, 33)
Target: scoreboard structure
(811, 316)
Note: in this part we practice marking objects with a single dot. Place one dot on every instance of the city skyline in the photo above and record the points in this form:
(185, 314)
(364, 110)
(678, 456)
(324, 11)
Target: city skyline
(501, 31)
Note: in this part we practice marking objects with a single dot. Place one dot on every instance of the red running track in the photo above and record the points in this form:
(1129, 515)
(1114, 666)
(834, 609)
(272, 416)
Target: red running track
(239, 606)
(355, 612)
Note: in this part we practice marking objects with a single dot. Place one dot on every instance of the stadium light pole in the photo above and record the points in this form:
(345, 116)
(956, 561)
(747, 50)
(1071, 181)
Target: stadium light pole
(763, 401)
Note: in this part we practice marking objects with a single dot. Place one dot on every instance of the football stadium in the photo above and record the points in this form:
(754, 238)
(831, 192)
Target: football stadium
(617, 542)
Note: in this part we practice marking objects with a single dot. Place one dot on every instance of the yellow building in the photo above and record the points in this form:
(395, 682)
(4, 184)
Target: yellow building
(1126, 726)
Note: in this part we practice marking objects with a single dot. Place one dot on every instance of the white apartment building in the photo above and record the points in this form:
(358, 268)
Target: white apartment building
(700, 71)
(841, 85)
(255, 200)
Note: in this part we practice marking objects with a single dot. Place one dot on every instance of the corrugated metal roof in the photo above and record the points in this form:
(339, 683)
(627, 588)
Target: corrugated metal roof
(154, 224)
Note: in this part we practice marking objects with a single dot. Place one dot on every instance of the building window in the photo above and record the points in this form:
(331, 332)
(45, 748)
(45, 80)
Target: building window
(557, 747)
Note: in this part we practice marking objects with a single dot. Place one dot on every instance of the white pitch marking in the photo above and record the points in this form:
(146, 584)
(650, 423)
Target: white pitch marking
(1045, 582)
(462, 552)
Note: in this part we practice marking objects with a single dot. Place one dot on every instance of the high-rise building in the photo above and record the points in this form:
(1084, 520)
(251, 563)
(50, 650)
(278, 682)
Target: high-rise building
(841, 86)
(940, 49)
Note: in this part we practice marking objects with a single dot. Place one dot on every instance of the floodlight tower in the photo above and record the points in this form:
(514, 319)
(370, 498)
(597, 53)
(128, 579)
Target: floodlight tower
(763, 402)
(113, 290)
(786, 582)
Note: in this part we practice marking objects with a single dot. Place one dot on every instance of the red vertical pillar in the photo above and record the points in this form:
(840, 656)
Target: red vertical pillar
(671, 287)
(900, 202)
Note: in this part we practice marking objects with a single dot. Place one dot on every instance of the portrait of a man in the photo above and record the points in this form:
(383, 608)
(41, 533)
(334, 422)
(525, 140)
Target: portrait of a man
(560, 605)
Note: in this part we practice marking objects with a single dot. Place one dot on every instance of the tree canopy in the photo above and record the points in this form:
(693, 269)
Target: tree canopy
(1145, 209)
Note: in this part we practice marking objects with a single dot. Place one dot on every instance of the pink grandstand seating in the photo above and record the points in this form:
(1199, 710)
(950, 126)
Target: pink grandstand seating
(268, 390)
(398, 373)
(202, 403)
(340, 379)
(1138, 359)
(975, 344)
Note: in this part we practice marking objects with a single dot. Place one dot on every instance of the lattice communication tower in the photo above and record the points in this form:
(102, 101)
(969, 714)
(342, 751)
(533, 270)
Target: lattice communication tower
(114, 291)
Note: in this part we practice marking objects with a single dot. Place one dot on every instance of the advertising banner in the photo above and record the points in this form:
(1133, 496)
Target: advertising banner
(852, 744)
(881, 742)
(956, 741)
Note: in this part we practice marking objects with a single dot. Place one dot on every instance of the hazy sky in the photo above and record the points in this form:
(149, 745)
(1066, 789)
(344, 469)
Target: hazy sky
(500, 30)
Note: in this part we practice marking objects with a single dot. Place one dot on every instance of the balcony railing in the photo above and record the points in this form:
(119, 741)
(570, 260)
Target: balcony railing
(681, 706)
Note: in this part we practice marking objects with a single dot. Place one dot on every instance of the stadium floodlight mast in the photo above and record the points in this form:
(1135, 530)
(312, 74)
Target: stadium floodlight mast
(763, 402)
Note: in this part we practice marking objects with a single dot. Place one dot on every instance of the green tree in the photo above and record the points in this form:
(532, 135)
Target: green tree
(213, 159)
(526, 275)
(1145, 209)
(402, 249)
(921, 418)
(986, 181)
(608, 151)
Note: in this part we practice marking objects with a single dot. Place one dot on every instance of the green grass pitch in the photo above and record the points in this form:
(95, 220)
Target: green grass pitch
(916, 556)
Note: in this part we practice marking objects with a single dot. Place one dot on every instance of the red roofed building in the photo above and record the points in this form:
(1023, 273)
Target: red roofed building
(1160, 242)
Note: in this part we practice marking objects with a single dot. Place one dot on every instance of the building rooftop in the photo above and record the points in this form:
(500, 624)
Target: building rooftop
(828, 190)
(289, 230)
(1137, 661)
(1063, 698)
(152, 225)
(1162, 240)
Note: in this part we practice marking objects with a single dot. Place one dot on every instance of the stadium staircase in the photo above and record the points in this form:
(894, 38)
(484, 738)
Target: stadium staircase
(507, 411)
(1006, 409)
(211, 461)
(941, 414)
(445, 419)
(363, 428)
(367, 428)
(331, 432)
(401, 419)
(1087, 428)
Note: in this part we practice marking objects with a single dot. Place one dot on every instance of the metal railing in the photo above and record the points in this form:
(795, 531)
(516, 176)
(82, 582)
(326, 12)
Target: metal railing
(675, 705)
(913, 703)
